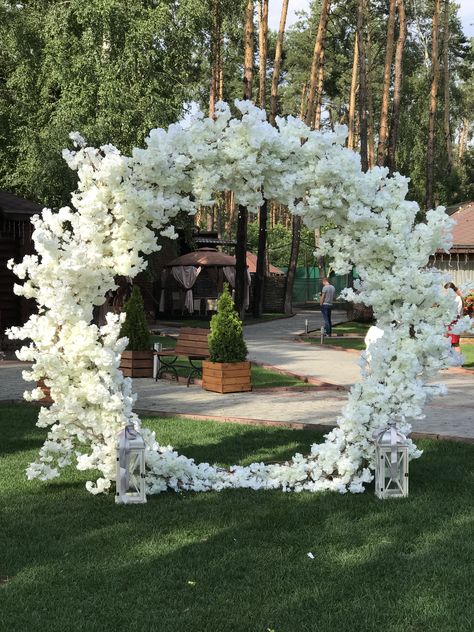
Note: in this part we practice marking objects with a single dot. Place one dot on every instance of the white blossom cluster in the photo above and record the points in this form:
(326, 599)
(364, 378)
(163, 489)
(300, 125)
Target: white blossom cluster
(120, 209)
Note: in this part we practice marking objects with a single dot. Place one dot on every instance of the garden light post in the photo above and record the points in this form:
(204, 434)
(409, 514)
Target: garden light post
(130, 477)
(391, 464)
(157, 347)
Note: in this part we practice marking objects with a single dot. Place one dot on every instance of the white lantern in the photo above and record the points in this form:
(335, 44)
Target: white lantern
(130, 477)
(391, 467)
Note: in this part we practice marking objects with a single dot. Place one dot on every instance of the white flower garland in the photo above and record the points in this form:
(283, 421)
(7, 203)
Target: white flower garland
(120, 206)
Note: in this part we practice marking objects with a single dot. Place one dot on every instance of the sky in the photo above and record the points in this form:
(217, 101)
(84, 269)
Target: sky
(466, 13)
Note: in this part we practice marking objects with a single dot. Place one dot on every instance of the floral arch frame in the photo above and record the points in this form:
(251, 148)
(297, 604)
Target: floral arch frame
(120, 205)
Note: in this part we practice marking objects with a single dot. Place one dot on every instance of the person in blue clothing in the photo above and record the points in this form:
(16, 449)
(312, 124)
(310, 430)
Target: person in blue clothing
(326, 301)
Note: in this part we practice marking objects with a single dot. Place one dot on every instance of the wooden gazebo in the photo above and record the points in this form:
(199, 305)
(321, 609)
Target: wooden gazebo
(195, 280)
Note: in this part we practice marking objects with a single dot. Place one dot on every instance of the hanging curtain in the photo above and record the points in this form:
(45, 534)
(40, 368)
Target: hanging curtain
(229, 273)
(186, 276)
(164, 276)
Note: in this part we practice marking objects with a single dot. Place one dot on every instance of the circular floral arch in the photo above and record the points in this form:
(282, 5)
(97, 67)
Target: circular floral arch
(120, 207)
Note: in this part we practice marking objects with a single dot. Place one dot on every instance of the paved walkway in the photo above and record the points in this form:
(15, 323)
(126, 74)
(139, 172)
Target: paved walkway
(273, 343)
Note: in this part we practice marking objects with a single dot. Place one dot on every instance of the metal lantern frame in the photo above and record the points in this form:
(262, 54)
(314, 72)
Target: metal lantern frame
(391, 464)
(130, 473)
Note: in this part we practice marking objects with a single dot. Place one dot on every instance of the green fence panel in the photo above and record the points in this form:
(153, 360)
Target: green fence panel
(308, 289)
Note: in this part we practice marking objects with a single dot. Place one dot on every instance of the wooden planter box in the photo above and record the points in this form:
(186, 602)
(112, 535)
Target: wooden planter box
(47, 393)
(137, 363)
(226, 377)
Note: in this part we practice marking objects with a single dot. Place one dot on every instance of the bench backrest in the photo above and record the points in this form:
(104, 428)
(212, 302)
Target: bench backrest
(192, 341)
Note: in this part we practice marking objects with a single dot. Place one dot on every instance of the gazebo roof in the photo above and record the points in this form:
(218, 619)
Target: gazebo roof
(206, 257)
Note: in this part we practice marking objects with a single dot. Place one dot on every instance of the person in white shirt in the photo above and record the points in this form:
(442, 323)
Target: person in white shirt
(326, 301)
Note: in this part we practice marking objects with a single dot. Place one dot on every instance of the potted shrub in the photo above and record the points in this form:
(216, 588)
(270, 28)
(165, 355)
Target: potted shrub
(137, 359)
(227, 370)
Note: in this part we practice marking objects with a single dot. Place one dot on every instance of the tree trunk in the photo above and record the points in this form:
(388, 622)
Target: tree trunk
(248, 50)
(463, 138)
(316, 62)
(370, 105)
(242, 217)
(320, 262)
(259, 281)
(397, 86)
(351, 144)
(432, 110)
(319, 94)
(291, 274)
(241, 260)
(361, 5)
(262, 50)
(277, 63)
(214, 92)
(387, 75)
(230, 208)
(447, 131)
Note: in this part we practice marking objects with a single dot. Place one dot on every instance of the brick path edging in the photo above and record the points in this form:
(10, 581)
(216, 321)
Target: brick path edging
(294, 425)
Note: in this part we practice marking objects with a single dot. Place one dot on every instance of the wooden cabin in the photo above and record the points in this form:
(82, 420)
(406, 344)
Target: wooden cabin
(15, 242)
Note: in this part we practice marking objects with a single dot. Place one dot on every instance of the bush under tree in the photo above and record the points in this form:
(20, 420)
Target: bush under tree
(226, 340)
(135, 327)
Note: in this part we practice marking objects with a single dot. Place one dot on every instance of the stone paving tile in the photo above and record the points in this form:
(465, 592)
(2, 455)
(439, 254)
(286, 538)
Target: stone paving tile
(12, 385)
(448, 416)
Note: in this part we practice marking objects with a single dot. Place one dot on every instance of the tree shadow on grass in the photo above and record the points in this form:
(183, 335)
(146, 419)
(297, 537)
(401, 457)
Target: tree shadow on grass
(236, 561)
(17, 428)
(250, 445)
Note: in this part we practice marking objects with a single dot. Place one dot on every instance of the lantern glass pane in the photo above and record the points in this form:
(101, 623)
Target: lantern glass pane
(134, 473)
(394, 481)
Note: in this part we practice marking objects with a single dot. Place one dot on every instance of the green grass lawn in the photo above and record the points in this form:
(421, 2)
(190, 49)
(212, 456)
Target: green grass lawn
(261, 378)
(350, 327)
(234, 561)
(468, 353)
(344, 343)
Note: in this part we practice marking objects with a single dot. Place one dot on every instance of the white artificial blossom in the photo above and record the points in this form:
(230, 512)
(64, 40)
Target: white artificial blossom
(122, 206)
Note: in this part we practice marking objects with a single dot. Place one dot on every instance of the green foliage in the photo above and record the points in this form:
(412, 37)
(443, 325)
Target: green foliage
(108, 69)
(466, 176)
(226, 340)
(135, 327)
(451, 185)
(279, 244)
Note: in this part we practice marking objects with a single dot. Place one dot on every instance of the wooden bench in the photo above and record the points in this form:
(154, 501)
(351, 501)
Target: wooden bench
(191, 344)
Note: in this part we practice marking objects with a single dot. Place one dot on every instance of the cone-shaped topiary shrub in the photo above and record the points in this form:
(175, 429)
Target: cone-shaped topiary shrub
(226, 340)
(135, 326)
